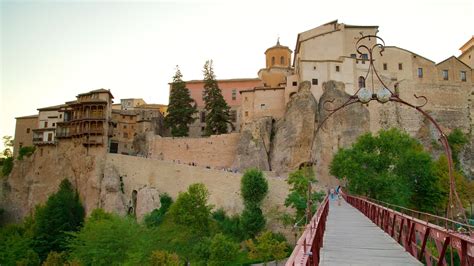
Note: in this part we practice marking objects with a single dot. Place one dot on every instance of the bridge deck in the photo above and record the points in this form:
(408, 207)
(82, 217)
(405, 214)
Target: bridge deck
(352, 239)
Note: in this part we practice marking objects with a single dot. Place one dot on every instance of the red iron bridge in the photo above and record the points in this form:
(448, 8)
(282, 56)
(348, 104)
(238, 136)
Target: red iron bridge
(366, 232)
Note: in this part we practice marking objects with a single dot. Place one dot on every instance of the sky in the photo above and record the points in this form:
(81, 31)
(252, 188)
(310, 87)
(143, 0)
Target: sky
(53, 50)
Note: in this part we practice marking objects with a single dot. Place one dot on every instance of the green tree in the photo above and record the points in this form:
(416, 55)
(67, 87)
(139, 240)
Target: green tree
(6, 157)
(223, 250)
(217, 110)
(191, 208)
(391, 167)
(26, 151)
(105, 239)
(299, 182)
(267, 247)
(156, 217)
(181, 107)
(62, 213)
(8, 144)
(253, 187)
(163, 258)
(16, 243)
(55, 259)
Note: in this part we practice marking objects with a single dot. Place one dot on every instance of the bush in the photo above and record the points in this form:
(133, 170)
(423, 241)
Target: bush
(7, 166)
(161, 257)
(253, 186)
(55, 259)
(16, 242)
(191, 209)
(252, 221)
(26, 151)
(156, 217)
(222, 250)
(267, 246)
(229, 225)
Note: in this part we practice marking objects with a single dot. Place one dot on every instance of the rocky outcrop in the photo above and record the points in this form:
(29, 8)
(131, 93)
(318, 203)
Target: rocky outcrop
(339, 130)
(148, 199)
(254, 145)
(466, 157)
(294, 133)
(112, 198)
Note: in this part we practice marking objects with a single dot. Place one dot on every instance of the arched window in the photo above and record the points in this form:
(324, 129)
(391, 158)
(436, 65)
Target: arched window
(273, 60)
(361, 82)
(282, 60)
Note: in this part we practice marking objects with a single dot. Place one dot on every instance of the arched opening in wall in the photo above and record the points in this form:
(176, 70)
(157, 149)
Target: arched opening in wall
(134, 203)
(282, 60)
(361, 82)
(305, 164)
(130, 211)
(291, 94)
(273, 60)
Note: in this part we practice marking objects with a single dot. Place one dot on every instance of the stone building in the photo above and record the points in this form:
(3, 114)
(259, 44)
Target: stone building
(231, 89)
(467, 53)
(24, 132)
(45, 132)
(87, 119)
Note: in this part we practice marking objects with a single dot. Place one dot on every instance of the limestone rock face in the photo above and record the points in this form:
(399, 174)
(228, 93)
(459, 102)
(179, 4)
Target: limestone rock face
(466, 157)
(148, 199)
(294, 133)
(339, 130)
(112, 198)
(254, 145)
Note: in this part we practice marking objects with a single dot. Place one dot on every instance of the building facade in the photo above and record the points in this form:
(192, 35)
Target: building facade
(24, 132)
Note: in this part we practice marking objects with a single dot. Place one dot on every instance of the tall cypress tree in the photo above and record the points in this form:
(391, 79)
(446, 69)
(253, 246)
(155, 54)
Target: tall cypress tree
(217, 110)
(180, 108)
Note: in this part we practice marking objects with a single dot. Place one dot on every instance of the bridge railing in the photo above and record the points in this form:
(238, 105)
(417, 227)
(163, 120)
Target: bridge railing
(306, 251)
(429, 243)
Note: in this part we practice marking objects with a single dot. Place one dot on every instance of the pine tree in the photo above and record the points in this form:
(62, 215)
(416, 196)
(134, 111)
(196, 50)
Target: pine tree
(180, 108)
(217, 110)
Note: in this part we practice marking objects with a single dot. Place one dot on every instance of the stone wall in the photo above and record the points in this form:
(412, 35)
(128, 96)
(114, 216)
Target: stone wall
(214, 151)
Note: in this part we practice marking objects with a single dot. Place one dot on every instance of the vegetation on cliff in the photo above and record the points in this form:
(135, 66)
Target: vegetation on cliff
(180, 232)
(181, 107)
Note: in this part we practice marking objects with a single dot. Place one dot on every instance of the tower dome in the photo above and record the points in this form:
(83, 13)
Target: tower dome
(278, 56)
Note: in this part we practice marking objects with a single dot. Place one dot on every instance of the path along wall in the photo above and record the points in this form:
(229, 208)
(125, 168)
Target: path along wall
(215, 151)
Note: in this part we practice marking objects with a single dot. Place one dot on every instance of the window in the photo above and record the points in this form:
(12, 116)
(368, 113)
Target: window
(273, 60)
(130, 117)
(445, 74)
(203, 128)
(54, 124)
(364, 57)
(315, 82)
(361, 82)
(262, 106)
(233, 115)
(125, 146)
(400, 66)
(21, 144)
(234, 94)
(353, 56)
(463, 75)
(314, 67)
(295, 83)
(45, 124)
(420, 72)
(337, 68)
(203, 117)
(124, 126)
(385, 66)
(125, 135)
(50, 136)
(246, 113)
(60, 116)
(282, 60)
(28, 131)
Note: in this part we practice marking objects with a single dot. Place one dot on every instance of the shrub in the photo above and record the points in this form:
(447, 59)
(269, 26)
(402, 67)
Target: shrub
(252, 221)
(191, 209)
(222, 250)
(55, 259)
(267, 246)
(161, 257)
(229, 225)
(7, 166)
(26, 151)
(253, 186)
(156, 217)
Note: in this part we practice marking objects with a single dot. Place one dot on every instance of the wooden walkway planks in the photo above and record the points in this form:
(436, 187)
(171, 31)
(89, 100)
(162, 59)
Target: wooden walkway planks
(352, 239)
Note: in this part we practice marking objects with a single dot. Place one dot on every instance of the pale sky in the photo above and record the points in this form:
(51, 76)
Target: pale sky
(53, 50)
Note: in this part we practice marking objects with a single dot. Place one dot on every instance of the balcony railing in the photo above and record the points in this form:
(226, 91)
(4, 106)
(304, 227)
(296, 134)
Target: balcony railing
(89, 116)
(40, 141)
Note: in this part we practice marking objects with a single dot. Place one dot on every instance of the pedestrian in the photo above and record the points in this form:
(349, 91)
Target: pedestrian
(339, 195)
